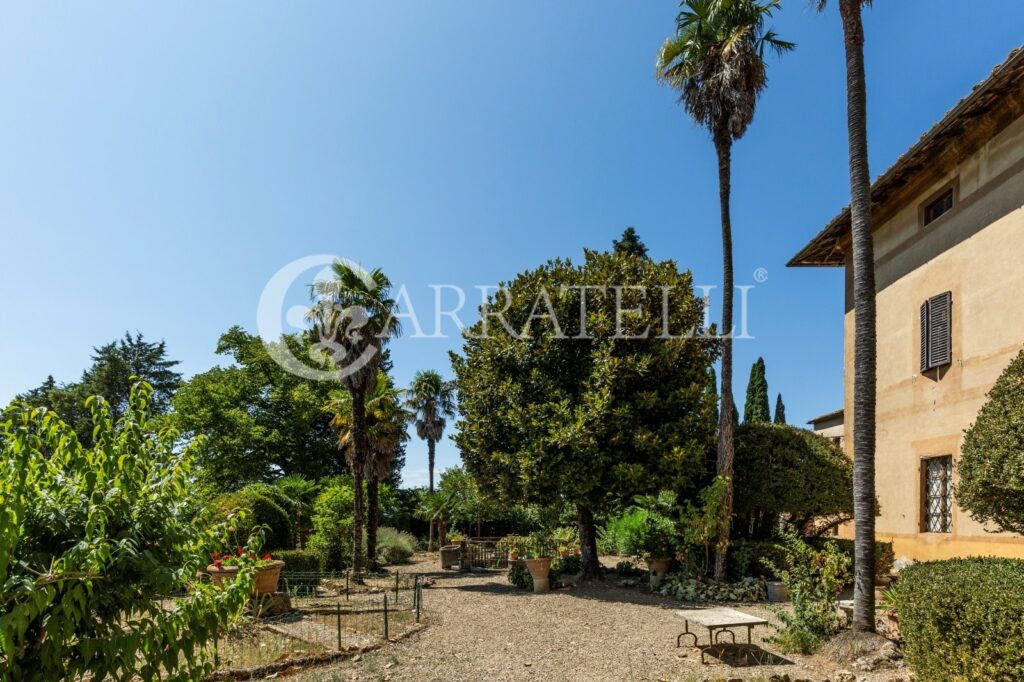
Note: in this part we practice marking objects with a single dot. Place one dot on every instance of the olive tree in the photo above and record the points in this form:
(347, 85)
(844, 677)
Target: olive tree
(587, 385)
(991, 463)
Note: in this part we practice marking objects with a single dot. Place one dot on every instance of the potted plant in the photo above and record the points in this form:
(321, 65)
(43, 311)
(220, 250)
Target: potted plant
(655, 542)
(226, 565)
(890, 604)
(539, 566)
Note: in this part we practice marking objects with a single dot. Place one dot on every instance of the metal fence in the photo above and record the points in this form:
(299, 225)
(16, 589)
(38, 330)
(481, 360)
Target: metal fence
(496, 552)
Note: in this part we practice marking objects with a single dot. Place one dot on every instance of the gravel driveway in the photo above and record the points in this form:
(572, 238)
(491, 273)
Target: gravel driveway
(482, 628)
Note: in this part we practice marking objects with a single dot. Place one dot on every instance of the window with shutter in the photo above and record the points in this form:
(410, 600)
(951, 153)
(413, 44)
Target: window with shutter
(937, 331)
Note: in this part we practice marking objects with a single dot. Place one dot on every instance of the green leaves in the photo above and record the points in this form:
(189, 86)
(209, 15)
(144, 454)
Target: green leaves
(92, 539)
(991, 465)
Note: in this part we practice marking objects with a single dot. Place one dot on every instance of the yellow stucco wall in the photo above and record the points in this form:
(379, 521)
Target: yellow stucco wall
(975, 251)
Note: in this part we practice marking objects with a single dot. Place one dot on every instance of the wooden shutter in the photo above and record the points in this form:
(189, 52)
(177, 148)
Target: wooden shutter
(940, 330)
(925, 366)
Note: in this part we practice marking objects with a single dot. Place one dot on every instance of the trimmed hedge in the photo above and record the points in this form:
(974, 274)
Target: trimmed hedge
(963, 619)
(301, 561)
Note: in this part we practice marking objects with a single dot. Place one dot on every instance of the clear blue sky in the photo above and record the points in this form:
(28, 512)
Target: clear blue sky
(158, 164)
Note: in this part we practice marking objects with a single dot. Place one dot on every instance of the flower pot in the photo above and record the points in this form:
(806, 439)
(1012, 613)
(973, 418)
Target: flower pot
(658, 570)
(563, 553)
(513, 556)
(777, 591)
(267, 576)
(575, 551)
(539, 571)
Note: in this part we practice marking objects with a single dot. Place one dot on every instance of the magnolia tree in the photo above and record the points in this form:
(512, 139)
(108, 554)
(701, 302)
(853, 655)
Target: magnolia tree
(91, 542)
(587, 384)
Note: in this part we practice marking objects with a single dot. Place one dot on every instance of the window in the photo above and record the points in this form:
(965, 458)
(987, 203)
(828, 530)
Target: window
(938, 494)
(938, 206)
(937, 331)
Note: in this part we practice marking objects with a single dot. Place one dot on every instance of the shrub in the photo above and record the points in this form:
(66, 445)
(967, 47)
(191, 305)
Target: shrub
(962, 619)
(519, 575)
(332, 525)
(567, 565)
(257, 511)
(394, 546)
(613, 537)
(655, 538)
(689, 589)
(628, 569)
(784, 470)
(991, 465)
(301, 561)
(759, 558)
(91, 541)
(814, 579)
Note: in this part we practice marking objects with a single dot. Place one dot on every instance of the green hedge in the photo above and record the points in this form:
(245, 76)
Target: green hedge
(301, 561)
(963, 619)
(746, 556)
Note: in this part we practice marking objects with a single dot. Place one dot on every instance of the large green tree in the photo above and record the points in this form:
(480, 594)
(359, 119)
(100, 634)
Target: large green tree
(865, 351)
(991, 466)
(587, 385)
(780, 410)
(115, 367)
(756, 410)
(715, 60)
(353, 318)
(431, 403)
(259, 421)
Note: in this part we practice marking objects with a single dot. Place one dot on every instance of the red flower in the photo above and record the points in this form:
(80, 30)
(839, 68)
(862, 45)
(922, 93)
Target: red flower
(215, 555)
(217, 563)
(239, 551)
(267, 556)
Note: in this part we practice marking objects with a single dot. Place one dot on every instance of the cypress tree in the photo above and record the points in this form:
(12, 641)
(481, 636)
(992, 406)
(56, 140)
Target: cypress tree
(756, 410)
(630, 244)
(780, 410)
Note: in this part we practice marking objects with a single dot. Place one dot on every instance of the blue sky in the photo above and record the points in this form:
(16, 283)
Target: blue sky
(159, 164)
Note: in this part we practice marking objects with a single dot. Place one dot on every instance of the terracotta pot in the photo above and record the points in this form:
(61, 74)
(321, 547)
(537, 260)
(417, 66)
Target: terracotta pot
(513, 556)
(575, 551)
(563, 553)
(267, 576)
(539, 570)
(658, 569)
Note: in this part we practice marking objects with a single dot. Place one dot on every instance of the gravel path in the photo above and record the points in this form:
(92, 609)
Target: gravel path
(482, 628)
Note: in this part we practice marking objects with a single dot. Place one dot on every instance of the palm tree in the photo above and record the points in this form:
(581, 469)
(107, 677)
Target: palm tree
(431, 400)
(865, 338)
(385, 433)
(716, 60)
(434, 508)
(353, 317)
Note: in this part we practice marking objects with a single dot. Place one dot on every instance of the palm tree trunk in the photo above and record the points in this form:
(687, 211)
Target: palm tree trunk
(372, 519)
(430, 535)
(864, 321)
(430, 461)
(724, 465)
(588, 544)
(358, 465)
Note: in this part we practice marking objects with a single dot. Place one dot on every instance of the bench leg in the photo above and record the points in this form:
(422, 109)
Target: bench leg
(686, 627)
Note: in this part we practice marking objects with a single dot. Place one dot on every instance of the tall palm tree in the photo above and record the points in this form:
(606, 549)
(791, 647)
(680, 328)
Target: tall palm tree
(385, 433)
(353, 318)
(431, 401)
(865, 336)
(716, 60)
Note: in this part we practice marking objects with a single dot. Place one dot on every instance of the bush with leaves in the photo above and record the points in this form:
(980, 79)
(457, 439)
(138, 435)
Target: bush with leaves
(963, 619)
(93, 539)
(254, 509)
(814, 578)
(991, 465)
(394, 546)
(655, 538)
(613, 537)
(688, 589)
(332, 524)
(519, 575)
(783, 471)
